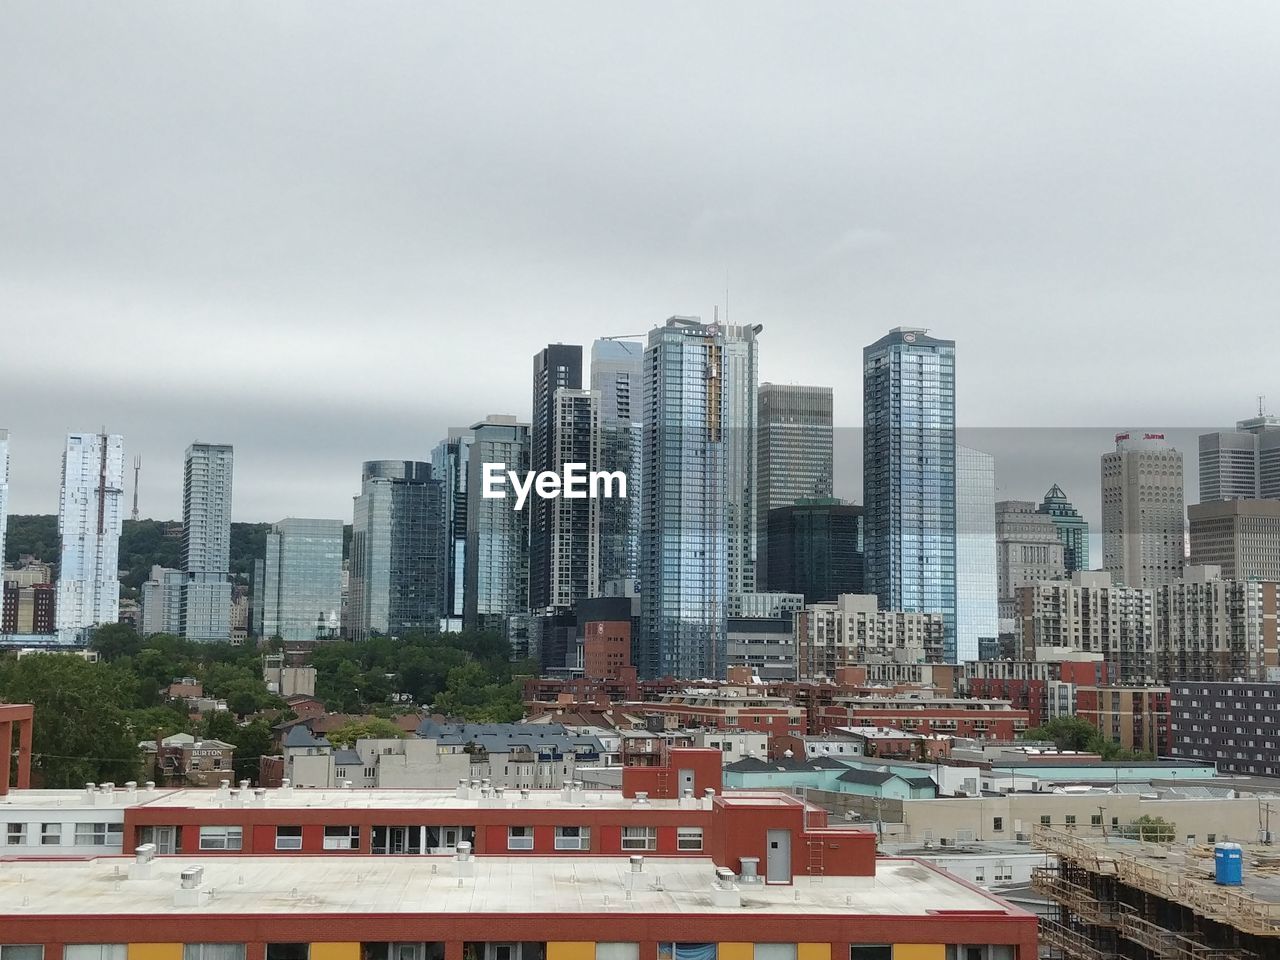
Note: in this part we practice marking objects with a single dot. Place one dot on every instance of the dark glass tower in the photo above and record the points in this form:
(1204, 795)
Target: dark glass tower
(554, 367)
(815, 548)
(1073, 529)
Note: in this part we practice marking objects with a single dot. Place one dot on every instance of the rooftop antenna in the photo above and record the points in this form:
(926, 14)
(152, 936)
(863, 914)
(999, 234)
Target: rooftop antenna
(137, 466)
(1262, 404)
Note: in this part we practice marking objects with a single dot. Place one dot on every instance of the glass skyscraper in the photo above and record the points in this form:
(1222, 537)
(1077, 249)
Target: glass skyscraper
(555, 368)
(302, 579)
(815, 549)
(1073, 529)
(683, 526)
(398, 576)
(497, 573)
(909, 475)
(616, 374)
(794, 455)
(977, 583)
(449, 466)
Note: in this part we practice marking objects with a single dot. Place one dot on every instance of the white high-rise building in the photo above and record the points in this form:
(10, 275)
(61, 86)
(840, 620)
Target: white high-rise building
(206, 542)
(1143, 541)
(90, 513)
(741, 388)
(4, 489)
(977, 587)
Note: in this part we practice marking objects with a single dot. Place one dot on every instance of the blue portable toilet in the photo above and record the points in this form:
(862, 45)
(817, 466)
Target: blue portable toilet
(1228, 863)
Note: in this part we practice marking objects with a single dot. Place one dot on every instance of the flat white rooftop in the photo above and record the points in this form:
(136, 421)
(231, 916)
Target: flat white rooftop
(515, 885)
(387, 799)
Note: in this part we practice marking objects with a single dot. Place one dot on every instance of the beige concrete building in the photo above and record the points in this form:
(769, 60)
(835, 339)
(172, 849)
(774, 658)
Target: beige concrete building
(854, 631)
(1142, 511)
(1240, 536)
(1028, 550)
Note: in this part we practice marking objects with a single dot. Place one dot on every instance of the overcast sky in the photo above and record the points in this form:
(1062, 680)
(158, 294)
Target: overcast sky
(325, 232)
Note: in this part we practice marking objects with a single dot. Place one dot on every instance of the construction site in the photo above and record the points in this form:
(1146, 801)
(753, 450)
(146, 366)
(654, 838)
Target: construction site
(1122, 897)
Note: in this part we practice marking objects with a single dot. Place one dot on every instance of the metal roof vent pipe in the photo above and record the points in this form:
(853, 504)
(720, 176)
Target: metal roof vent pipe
(708, 798)
(524, 796)
(463, 861)
(462, 788)
(130, 792)
(89, 790)
(686, 799)
(140, 869)
(724, 891)
(750, 867)
(190, 892)
(642, 798)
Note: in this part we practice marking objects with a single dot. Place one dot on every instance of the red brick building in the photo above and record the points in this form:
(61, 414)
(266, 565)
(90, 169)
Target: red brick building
(979, 719)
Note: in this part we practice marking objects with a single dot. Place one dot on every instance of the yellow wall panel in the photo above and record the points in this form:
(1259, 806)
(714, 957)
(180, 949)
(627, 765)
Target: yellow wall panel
(155, 951)
(813, 951)
(736, 951)
(919, 951)
(332, 951)
(569, 950)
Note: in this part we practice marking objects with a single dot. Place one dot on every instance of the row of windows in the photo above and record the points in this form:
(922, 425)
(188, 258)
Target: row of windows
(518, 838)
(86, 834)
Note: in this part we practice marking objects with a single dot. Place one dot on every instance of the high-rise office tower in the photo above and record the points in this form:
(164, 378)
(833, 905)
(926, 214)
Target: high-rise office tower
(555, 368)
(90, 513)
(977, 591)
(4, 489)
(573, 533)
(683, 525)
(909, 474)
(206, 541)
(1028, 550)
(1242, 537)
(1241, 464)
(616, 367)
(497, 572)
(740, 386)
(1142, 511)
(794, 458)
(162, 602)
(302, 579)
(397, 570)
(815, 549)
(1073, 529)
(449, 466)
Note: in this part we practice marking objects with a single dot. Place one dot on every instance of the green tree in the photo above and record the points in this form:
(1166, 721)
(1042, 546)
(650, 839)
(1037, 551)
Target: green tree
(1152, 829)
(253, 741)
(472, 695)
(1073, 733)
(81, 731)
(115, 640)
(366, 728)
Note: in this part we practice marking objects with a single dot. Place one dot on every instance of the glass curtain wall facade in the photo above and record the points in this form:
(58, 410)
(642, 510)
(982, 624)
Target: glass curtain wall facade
(740, 387)
(1073, 529)
(977, 583)
(909, 482)
(397, 581)
(794, 455)
(573, 535)
(497, 572)
(556, 367)
(449, 466)
(302, 579)
(683, 528)
(616, 367)
(815, 549)
(90, 516)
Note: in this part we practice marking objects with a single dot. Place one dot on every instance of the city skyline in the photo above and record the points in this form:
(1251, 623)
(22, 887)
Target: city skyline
(808, 192)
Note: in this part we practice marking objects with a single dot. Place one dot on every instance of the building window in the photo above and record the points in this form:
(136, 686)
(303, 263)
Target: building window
(220, 838)
(1095, 820)
(288, 838)
(1044, 820)
(686, 951)
(979, 874)
(639, 838)
(286, 951)
(859, 951)
(213, 951)
(519, 838)
(573, 838)
(342, 838)
(99, 834)
(997, 824)
(370, 772)
(95, 951)
(17, 834)
(688, 838)
(775, 951)
(1071, 819)
(618, 950)
(21, 951)
(50, 834)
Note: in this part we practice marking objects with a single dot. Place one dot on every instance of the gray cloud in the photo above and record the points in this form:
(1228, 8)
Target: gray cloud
(325, 232)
